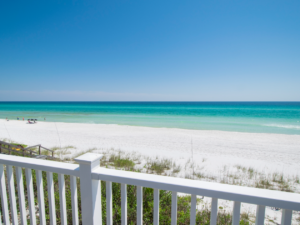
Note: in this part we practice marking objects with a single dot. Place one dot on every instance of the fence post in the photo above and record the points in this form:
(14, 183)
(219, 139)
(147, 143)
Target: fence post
(90, 189)
(39, 149)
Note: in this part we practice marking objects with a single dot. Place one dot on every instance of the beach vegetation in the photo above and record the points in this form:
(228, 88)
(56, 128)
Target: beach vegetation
(45, 152)
(55, 148)
(159, 166)
(245, 218)
(188, 176)
(239, 175)
(176, 168)
(239, 167)
(135, 157)
(70, 147)
(233, 176)
(121, 162)
(199, 175)
(14, 143)
(62, 153)
(264, 183)
(297, 180)
(285, 187)
(251, 172)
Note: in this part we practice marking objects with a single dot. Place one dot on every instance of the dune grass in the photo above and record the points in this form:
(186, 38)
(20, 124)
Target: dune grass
(119, 161)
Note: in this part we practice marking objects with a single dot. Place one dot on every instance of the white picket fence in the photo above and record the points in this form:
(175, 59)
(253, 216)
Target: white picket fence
(90, 175)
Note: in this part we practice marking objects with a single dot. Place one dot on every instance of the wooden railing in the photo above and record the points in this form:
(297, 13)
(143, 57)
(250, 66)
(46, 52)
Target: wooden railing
(28, 151)
(90, 173)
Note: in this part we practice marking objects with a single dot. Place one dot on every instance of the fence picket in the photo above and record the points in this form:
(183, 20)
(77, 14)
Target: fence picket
(62, 198)
(108, 203)
(193, 209)
(20, 185)
(174, 208)
(4, 196)
(30, 196)
(139, 205)
(286, 218)
(214, 211)
(12, 194)
(124, 203)
(0, 215)
(260, 214)
(156, 207)
(236, 213)
(40, 192)
(51, 199)
(74, 201)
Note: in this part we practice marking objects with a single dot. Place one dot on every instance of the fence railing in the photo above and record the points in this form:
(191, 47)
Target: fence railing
(90, 174)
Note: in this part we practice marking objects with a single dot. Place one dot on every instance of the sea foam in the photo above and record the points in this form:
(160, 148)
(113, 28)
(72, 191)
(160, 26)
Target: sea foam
(283, 126)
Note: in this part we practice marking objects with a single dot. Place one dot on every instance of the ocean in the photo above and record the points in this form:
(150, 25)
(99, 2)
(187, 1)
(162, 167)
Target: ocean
(256, 117)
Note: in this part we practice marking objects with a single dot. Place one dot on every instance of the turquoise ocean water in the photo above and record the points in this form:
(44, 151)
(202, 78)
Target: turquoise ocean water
(258, 117)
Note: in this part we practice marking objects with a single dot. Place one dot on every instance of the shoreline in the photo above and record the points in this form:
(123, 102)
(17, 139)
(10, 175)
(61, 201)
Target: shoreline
(142, 126)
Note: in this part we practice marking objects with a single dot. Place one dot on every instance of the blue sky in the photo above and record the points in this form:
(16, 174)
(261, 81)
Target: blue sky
(150, 50)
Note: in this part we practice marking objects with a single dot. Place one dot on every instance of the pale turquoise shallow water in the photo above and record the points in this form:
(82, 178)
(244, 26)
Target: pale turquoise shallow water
(258, 117)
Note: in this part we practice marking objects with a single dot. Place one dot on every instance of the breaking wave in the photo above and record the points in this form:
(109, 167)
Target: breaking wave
(295, 127)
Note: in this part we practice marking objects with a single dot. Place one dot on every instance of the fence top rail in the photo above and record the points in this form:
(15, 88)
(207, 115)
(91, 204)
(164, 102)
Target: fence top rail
(256, 196)
(47, 149)
(37, 164)
(31, 147)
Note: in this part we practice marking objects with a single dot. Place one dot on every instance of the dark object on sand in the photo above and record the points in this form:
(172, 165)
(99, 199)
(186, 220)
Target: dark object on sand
(32, 120)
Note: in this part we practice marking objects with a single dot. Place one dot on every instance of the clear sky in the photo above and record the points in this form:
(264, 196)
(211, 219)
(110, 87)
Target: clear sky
(149, 50)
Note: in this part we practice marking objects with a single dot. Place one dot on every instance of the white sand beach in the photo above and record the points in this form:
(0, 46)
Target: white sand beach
(265, 152)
